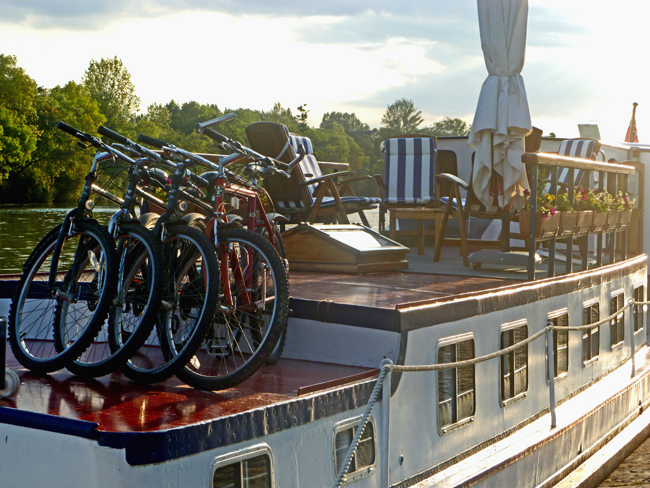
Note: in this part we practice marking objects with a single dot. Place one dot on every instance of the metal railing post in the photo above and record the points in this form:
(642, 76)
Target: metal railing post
(385, 422)
(551, 373)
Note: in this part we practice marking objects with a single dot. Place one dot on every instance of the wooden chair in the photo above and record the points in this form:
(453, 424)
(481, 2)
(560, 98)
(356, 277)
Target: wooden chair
(472, 206)
(576, 148)
(309, 195)
(411, 188)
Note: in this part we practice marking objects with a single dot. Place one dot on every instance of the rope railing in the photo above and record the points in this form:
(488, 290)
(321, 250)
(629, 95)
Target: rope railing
(387, 367)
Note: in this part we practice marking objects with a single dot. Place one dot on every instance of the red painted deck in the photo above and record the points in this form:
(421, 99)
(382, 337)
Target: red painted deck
(117, 404)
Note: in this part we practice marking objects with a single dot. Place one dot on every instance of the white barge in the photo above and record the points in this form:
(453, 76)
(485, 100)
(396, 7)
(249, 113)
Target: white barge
(545, 409)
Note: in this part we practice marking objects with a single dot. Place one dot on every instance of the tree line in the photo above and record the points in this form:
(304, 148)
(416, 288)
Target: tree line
(41, 164)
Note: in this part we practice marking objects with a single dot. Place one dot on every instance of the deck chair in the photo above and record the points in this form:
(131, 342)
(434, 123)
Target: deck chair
(472, 206)
(576, 148)
(411, 188)
(309, 195)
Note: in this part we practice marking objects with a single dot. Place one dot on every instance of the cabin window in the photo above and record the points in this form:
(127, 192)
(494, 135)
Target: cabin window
(639, 310)
(363, 460)
(514, 364)
(456, 386)
(590, 337)
(252, 468)
(560, 344)
(617, 329)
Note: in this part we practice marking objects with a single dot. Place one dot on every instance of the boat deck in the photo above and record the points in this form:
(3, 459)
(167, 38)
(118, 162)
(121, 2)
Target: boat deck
(116, 404)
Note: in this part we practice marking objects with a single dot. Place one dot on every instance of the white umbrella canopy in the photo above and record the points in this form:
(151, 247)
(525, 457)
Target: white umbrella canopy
(502, 118)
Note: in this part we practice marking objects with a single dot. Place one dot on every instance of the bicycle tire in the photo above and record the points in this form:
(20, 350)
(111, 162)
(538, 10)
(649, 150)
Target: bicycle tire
(278, 243)
(133, 312)
(36, 311)
(241, 337)
(189, 300)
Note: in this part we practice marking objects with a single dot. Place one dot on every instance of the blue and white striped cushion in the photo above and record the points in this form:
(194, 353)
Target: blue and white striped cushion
(410, 170)
(578, 148)
(297, 141)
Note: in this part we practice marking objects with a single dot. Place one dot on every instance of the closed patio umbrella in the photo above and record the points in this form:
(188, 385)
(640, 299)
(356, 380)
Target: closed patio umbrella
(502, 118)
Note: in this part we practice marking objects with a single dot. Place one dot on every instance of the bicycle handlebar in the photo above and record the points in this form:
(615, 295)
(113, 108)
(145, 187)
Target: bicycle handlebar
(151, 141)
(203, 125)
(105, 131)
(90, 139)
(278, 166)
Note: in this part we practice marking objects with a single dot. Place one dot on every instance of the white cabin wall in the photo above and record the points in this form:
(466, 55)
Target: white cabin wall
(414, 405)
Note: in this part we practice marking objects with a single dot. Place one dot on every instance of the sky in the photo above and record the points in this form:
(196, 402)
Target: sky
(584, 58)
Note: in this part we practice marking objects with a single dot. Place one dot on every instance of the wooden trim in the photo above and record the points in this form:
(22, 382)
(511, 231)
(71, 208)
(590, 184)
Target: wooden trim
(556, 160)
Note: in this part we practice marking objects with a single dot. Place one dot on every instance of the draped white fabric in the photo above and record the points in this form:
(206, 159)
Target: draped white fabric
(502, 118)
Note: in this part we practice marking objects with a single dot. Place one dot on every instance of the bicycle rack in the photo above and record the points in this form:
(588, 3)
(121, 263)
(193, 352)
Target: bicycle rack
(9, 382)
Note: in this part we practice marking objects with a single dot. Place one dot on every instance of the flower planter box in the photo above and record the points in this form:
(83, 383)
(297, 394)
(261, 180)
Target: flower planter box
(583, 224)
(598, 222)
(568, 223)
(625, 218)
(547, 226)
(613, 218)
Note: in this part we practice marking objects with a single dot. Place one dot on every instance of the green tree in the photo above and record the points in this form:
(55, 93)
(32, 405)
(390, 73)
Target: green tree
(402, 117)
(18, 130)
(301, 118)
(109, 83)
(349, 122)
(449, 127)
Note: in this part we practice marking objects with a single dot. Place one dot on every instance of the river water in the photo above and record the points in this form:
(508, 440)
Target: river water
(23, 226)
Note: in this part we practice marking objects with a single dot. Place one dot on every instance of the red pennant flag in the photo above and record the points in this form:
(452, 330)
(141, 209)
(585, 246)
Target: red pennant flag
(632, 135)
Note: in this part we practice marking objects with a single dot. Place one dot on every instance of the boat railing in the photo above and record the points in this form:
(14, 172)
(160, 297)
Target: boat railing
(387, 367)
(612, 177)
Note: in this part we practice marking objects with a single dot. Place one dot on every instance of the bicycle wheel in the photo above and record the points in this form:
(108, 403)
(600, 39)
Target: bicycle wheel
(278, 243)
(252, 312)
(133, 312)
(74, 308)
(189, 300)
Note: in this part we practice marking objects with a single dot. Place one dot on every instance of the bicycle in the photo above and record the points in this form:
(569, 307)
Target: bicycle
(66, 288)
(190, 291)
(253, 302)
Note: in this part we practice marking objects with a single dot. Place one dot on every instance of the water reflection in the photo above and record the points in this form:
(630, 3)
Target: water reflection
(23, 226)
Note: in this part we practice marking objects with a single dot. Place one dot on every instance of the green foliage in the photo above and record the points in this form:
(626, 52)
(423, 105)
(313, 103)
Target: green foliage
(402, 117)
(449, 127)
(18, 124)
(109, 83)
(40, 163)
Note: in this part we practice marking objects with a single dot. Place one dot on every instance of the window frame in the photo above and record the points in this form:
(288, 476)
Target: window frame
(364, 471)
(510, 328)
(588, 334)
(617, 324)
(557, 334)
(242, 455)
(639, 310)
(448, 341)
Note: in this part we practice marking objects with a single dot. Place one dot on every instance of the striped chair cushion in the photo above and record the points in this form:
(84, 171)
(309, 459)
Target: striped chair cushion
(578, 148)
(410, 170)
(311, 169)
(309, 165)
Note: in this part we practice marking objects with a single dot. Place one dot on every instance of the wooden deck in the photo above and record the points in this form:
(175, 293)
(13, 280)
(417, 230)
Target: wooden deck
(116, 404)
